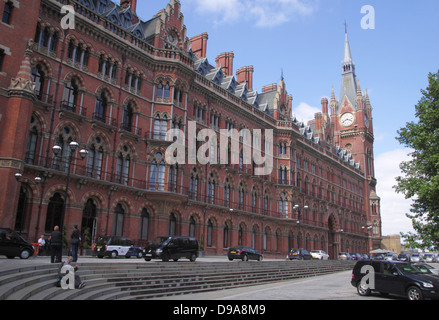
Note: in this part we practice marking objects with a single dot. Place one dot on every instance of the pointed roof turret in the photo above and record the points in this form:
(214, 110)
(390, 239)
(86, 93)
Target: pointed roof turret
(348, 82)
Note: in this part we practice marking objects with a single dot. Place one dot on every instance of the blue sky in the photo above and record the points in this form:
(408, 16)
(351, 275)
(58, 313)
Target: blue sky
(305, 39)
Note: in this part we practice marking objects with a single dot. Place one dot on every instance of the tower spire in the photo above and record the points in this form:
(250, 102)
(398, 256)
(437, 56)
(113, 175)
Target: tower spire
(348, 82)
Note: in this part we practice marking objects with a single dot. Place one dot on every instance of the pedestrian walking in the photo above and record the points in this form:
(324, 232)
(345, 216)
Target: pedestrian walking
(75, 240)
(55, 245)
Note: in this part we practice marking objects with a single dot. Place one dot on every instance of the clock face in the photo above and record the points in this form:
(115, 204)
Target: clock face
(347, 119)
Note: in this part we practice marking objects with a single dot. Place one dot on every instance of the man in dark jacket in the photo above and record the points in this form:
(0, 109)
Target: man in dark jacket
(74, 243)
(55, 245)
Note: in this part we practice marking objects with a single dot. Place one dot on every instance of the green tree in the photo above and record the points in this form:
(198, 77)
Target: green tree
(421, 179)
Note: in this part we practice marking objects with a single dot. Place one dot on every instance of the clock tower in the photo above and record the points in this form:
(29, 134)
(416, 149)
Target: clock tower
(351, 119)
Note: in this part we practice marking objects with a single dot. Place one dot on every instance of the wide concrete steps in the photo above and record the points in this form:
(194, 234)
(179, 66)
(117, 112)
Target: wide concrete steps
(126, 281)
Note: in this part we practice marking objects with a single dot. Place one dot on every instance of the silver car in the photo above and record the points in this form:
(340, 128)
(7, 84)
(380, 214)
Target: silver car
(319, 255)
(416, 257)
(428, 257)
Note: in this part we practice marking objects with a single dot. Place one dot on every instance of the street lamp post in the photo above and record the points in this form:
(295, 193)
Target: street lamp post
(298, 209)
(73, 146)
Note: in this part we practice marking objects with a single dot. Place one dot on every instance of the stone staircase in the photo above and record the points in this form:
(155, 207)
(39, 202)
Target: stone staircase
(128, 281)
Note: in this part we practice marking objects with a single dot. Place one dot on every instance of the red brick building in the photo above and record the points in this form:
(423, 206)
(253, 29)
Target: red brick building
(115, 85)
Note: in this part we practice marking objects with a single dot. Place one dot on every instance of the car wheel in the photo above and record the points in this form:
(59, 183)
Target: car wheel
(113, 254)
(25, 254)
(193, 257)
(414, 293)
(165, 258)
(245, 258)
(362, 289)
(140, 255)
(260, 258)
(147, 259)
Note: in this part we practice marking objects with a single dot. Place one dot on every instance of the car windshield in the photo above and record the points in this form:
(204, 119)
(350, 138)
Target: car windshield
(408, 268)
(103, 240)
(315, 251)
(161, 240)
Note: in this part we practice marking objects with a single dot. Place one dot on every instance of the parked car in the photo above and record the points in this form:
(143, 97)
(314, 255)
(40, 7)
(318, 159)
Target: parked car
(391, 256)
(428, 257)
(174, 248)
(395, 277)
(423, 266)
(378, 257)
(364, 256)
(117, 246)
(319, 255)
(244, 253)
(344, 256)
(299, 254)
(355, 256)
(416, 257)
(404, 257)
(13, 245)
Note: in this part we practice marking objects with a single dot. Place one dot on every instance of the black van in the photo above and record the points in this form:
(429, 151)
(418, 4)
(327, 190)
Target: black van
(13, 245)
(174, 248)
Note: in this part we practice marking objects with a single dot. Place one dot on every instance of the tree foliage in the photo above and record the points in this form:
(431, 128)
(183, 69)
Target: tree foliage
(421, 179)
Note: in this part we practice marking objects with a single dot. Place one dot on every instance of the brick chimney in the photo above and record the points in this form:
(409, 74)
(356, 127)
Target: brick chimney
(199, 45)
(129, 3)
(245, 74)
(225, 61)
(269, 88)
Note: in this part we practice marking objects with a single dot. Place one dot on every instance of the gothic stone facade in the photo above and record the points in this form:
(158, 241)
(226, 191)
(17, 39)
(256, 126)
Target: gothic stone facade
(116, 84)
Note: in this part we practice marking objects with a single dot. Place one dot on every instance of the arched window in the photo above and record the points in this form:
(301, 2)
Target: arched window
(172, 225)
(157, 173)
(226, 236)
(101, 106)
(32, 140)
(127, 118)
(20, 216)
(211, 189)
(283, 206)
(160, 127)
(95, 158)
(163, 92)
(88, 224)
(254, 200)
(123, 166)
(60, 161)
(209, 233)
(54, 212)
(194, 185)
(227, 193)
(38, 77)
(192, 225)
(241, 196)
(70, 96)
(119, 214)
(144, 224)
(173, 178)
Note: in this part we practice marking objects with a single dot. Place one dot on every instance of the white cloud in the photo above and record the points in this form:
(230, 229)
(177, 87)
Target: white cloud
(394, 206)
(304, 112)
(262, 13)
